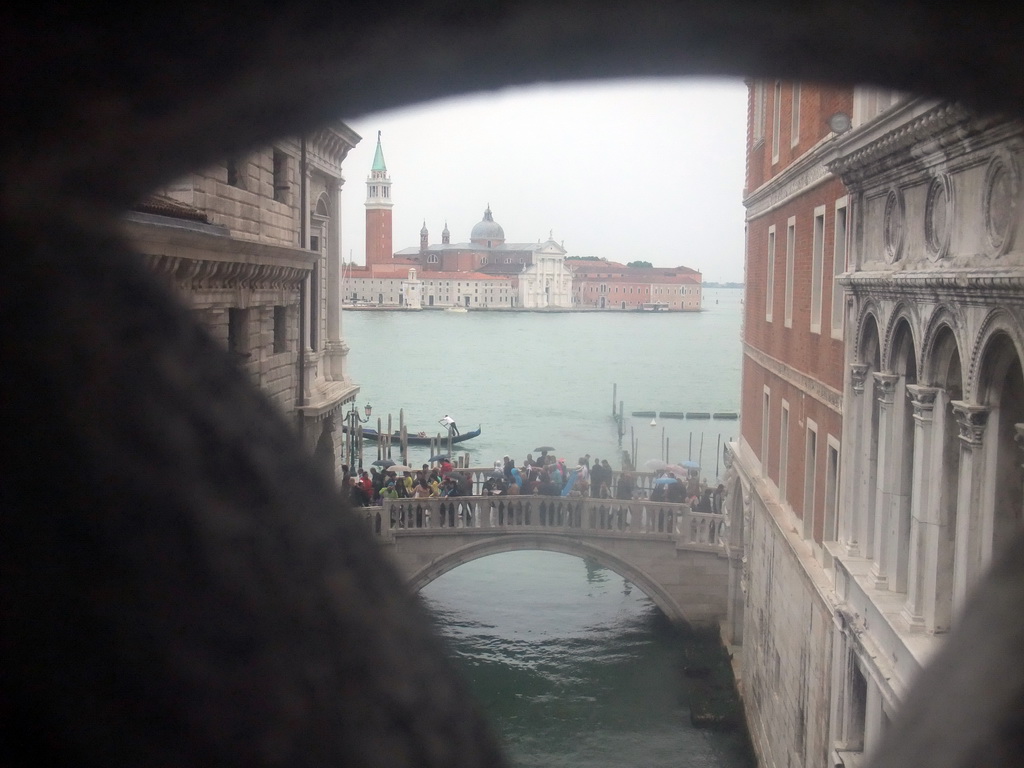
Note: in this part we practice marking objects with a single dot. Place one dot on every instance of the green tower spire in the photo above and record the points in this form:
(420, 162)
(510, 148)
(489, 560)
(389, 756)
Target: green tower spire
(378, 157)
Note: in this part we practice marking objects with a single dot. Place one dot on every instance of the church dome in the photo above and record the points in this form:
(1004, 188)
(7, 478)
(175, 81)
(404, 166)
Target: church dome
(488, 231)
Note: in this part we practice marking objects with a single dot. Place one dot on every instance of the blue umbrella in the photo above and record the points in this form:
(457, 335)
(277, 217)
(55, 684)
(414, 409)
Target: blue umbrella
(666, 480)
(689, 464)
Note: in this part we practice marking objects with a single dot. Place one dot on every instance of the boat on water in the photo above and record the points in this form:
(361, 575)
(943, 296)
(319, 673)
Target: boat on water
(421, 438)
(456, 309)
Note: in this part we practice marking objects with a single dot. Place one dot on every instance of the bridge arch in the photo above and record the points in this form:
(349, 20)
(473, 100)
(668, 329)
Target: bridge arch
(567, 546)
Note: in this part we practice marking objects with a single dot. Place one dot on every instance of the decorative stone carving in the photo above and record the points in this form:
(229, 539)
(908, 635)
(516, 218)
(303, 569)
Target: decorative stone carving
(938, 217)
(923, 400)
(971, 419)
(886, 385)
(892, 225)
(999, 202)
(858, 374)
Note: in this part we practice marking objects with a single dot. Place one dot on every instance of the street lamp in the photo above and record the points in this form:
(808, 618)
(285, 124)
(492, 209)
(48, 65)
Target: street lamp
(354, 421)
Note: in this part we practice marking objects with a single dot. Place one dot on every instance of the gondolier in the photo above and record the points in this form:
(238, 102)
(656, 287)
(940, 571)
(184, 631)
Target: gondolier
(449, 423)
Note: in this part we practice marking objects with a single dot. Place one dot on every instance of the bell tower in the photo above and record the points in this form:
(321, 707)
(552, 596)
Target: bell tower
(379, 249)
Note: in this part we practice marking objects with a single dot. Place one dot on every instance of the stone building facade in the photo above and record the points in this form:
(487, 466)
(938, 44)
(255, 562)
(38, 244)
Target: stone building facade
(934, 392)
(877, 472)
(253, 245)
(610, 285)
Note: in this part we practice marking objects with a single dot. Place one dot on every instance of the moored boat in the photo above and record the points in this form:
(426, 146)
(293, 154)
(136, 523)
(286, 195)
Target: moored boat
(417, 439)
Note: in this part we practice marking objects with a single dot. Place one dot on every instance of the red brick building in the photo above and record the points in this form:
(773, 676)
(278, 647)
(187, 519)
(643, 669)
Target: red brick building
(797, 234)
(786, 483)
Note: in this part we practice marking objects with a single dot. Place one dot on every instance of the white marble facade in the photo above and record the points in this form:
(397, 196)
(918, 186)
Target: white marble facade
(547, 282)
(934, 397)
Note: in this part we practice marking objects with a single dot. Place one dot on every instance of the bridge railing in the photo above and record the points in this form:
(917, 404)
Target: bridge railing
(517, 513)
(643, 482)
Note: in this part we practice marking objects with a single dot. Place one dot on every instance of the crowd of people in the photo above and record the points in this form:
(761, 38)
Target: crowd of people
(546, 476)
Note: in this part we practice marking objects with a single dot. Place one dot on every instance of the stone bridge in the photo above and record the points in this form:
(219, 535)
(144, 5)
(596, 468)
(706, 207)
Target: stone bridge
(677, 557)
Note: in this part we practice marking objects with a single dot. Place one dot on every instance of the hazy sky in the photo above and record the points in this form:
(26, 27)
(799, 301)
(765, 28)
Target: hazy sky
(627, 170)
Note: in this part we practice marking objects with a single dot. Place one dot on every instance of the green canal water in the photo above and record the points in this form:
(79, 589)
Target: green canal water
(575, 665)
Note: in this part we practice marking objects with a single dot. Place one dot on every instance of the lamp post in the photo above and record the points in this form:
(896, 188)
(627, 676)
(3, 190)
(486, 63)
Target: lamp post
(354, 421)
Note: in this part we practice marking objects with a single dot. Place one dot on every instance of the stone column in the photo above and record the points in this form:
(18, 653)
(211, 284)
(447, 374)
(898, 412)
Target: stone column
(888, 449)
(336, 350)
(334, 262)
(857, 447)
(971, 419)
(924, 513)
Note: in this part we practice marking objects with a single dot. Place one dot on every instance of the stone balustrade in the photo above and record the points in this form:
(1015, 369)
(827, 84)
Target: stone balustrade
(493, 514)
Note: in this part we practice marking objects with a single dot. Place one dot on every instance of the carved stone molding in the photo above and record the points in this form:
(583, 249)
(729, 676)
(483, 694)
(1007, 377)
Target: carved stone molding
(971, 419)
(893, 224)
(939, 212)
(816, 389)
(801, 176)
(886, 385)
(1019, 437)
(999, 202)
(858, 374)
(202, 274)
(923, 400)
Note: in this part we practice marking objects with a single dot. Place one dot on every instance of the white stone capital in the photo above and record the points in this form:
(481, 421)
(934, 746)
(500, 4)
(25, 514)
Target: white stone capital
(886, 384)
(971, 419)
(923, 400)
(858, 374)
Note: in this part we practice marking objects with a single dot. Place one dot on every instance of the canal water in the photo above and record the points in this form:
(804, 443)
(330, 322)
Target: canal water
(575, 665)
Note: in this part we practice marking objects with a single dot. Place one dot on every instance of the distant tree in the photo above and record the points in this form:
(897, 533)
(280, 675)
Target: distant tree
(639, 264)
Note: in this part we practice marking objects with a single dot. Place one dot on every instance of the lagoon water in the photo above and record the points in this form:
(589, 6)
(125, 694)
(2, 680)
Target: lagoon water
(575, 666)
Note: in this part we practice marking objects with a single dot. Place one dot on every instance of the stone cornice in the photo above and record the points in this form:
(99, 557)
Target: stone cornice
(905, 283)
(203, 274)
(200, 260)
(820, 391)
(807, 172)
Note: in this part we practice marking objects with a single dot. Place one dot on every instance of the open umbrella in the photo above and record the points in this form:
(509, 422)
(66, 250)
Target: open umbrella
(383, 463)
(666, 480)
(544, 449)
(438, 457)
(399, 468)
(689, 464)
(653, 465)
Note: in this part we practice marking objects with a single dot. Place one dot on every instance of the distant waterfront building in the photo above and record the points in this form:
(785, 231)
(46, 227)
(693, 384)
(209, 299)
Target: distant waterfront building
(260, 269)
(488, 272)
(610, 285)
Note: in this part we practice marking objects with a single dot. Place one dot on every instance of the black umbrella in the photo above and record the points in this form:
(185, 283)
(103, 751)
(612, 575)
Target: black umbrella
(438, 457)
(544, 448)
(383, 463)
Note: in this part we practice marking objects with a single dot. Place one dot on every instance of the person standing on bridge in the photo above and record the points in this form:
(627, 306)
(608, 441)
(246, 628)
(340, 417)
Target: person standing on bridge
(449, 423)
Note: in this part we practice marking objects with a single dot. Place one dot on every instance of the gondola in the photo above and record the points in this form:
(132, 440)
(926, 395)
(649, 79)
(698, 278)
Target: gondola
(419, 439)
